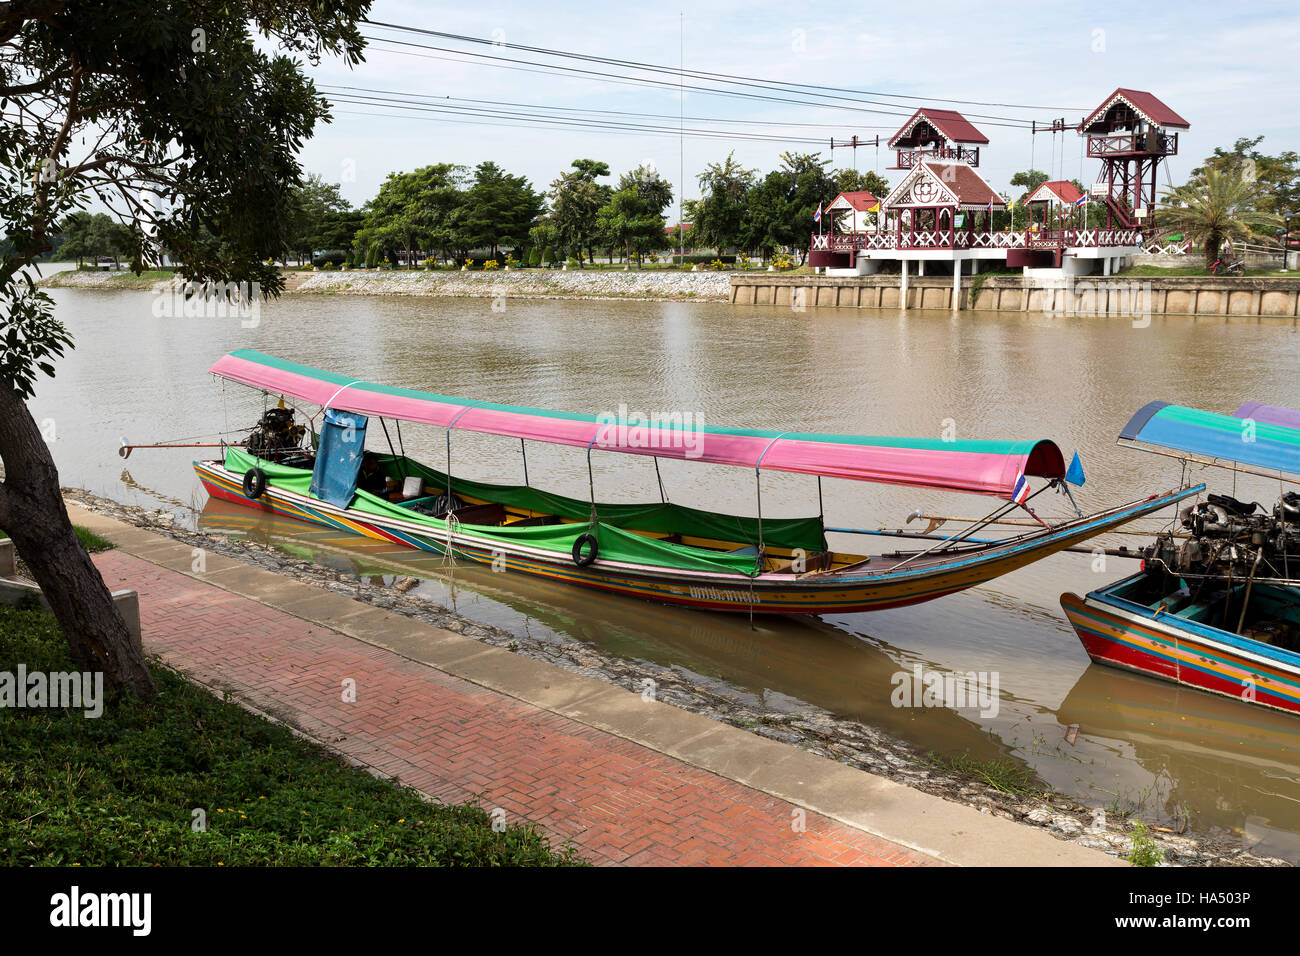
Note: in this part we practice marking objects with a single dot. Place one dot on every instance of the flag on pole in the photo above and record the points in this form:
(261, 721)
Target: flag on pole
(1020, 491)
(1074, 474)
(875, 208)
(817, 216)
(1082, 200)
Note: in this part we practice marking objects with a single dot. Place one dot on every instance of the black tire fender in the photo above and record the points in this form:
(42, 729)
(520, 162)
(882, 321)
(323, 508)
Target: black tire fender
(581, 557)
(254, 483)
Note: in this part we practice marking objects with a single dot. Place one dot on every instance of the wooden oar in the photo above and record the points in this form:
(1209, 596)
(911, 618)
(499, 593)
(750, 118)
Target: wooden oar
(937, 520)
(925, 536)
(125, 449)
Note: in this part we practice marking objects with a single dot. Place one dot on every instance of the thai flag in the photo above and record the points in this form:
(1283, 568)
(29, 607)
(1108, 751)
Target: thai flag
(1020, 491)
(1082, 200)
(817, 216)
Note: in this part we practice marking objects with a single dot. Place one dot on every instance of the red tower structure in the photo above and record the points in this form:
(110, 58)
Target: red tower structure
(1130, 132)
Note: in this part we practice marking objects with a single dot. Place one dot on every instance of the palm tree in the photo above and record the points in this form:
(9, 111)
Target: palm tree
(1222, 207)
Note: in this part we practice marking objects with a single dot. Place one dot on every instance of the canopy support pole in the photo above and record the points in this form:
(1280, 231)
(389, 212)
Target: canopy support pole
(391, 450)
(591, 483)
(758, 488)
(450, 499)
(524, 451)
(663, 498)
(450, 425)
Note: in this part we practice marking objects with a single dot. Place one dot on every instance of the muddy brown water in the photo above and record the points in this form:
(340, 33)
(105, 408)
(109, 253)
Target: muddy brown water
(1106, 737)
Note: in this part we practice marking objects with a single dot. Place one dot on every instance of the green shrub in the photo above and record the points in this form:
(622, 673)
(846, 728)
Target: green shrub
(548, 256)
(332, 257)
(1144, 851)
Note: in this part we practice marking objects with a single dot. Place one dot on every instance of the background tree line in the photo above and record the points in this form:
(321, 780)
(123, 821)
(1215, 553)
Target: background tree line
(448, 212)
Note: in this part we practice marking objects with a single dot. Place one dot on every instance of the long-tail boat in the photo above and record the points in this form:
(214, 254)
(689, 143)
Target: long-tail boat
(1216, 605)
(660, 550)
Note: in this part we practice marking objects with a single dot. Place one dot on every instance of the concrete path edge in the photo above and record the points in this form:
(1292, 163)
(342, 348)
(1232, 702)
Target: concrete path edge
(951, 832)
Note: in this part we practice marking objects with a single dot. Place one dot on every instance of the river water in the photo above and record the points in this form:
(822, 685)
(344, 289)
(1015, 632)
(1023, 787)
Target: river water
(1103, 736)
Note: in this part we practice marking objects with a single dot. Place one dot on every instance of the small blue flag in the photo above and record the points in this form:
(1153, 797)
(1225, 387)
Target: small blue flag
(1074, 474)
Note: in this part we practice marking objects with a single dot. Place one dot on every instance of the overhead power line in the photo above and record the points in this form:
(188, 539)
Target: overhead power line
(849, 103)
(517, 118)
(771, 124)
(716, 76)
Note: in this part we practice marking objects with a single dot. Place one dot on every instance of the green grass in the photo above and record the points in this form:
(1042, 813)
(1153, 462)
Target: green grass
(123, 789)
(1001, 774)
(89, 540)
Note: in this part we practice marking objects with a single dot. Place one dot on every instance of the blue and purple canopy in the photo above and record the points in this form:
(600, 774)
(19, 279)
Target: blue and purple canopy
(1252, 441)
(1270, 414)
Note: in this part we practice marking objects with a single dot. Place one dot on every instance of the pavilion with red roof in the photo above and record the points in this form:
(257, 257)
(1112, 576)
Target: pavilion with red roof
(943, 210)
(1054, 203)
(935, 199)
(1130, 132)
(854, 211)
(1058, 192)
(937, 134)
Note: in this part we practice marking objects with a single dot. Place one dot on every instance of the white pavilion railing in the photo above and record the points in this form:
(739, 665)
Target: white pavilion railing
(1021, 239)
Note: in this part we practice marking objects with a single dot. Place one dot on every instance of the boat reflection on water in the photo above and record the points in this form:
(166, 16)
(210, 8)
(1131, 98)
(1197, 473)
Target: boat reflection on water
(1235, 767)
(1136, 742)
(782, 664)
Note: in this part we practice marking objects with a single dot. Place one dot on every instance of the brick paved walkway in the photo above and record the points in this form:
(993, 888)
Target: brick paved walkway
(620, 802)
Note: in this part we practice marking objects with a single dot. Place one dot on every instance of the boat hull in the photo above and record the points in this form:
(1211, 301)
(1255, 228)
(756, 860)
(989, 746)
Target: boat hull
(770, 593)
(1124, 634)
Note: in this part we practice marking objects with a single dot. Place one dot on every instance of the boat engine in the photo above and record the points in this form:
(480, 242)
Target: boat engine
(276, 437)
(1223, 537)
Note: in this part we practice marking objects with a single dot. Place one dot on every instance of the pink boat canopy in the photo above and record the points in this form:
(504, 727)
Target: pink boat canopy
(976, 467)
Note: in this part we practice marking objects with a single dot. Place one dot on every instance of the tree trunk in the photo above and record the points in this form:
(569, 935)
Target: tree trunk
(1211, 250)
(32, 513)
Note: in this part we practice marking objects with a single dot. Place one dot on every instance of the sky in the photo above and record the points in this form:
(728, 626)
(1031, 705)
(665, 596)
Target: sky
(1230, 69)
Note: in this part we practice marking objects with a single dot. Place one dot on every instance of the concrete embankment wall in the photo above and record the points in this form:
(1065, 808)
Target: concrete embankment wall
(1091, 295)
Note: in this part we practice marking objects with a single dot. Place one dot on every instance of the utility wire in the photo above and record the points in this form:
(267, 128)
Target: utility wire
(710, 75)
(582, 109)
(990, 121)
(517, 118)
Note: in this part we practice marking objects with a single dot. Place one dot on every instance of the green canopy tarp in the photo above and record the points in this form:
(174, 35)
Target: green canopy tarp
(614, 529)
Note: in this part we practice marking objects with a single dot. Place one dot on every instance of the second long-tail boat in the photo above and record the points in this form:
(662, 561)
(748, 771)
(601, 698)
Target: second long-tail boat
(662, 551)
(1216, 604)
